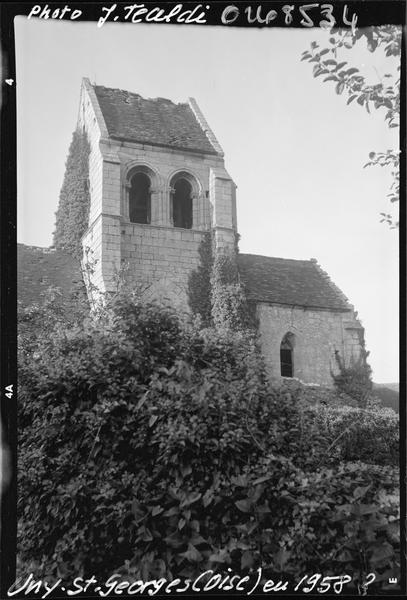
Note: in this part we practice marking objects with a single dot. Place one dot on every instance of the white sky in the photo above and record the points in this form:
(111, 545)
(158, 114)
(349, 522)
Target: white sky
(294, 148)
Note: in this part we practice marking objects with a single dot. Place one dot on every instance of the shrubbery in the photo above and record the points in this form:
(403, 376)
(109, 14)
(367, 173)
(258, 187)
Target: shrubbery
(154, 447)
(317, 427)
(357, 434)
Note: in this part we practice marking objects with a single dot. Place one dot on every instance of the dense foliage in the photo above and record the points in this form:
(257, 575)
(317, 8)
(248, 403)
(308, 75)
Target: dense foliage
(215, 292)
(383, 95)
(319, 427)
(156, 448)
(199, 283)
(229, 305)
(73, 209)
(354, 379)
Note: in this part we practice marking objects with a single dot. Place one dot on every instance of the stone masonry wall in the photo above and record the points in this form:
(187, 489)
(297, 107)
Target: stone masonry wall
(158, 260)
(88, 121)
(318, 333)
(159, 257)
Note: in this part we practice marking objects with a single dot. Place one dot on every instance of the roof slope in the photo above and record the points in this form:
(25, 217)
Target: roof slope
(40, 268)
(156, 121)
(287, 281)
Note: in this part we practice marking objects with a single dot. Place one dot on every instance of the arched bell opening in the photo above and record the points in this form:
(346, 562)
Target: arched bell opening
(182, 203)
(140, 198)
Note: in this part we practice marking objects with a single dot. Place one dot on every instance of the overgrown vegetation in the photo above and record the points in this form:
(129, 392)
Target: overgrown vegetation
(355, 379)
(215, 292)
(74, 199)
(229, 306)
(199, 283)
(151, 447)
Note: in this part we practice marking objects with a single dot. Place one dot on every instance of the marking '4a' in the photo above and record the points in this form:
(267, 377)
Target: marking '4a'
(9, 391)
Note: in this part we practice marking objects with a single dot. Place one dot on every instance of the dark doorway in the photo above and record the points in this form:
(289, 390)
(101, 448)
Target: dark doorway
(139, 199)
(286, 356)
(182, 204)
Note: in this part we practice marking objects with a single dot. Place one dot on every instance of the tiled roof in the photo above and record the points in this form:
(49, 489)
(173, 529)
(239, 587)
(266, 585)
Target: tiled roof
(292, 282)
(266, 279)
(41, 268)
(156, 121)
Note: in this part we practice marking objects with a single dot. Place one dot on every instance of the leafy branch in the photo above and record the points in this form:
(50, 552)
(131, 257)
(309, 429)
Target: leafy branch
(383, 94)
(349, 80)
(390, 158)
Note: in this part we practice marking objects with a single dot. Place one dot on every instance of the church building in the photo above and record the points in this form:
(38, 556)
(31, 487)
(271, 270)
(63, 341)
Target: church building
(157, 184)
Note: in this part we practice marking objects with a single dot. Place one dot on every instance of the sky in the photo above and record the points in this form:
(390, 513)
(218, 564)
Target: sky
(293, 147)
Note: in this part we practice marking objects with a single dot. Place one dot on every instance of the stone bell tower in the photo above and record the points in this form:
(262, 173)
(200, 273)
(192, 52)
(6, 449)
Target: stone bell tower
(157, 183)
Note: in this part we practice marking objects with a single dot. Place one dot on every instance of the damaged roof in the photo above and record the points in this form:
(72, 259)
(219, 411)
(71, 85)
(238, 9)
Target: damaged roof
(286, 281)
(155, 121)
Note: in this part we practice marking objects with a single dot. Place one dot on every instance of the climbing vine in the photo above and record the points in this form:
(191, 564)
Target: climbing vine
(74, 199)
(228, 299)
(199, 283)
(215, 292)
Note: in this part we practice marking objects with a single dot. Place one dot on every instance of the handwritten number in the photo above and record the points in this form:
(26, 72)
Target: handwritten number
(287, 10)
(298, 584)
(338, 585)
(313, 580)
(346, 21)
(307, 21)
(326, 10)
(229, 15)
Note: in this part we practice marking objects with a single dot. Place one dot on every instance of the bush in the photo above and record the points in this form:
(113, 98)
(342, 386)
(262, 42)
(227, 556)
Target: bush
(316, 428)
(106, 408)
(54, 311)
(371, 436)
(355, 505)
(153, 447)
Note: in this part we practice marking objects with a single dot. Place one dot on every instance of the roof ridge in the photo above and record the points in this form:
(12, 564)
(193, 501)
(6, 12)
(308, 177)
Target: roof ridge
(152, 99)
(303, 260)
(204, 125)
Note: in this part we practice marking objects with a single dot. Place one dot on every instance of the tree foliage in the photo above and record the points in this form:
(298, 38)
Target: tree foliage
(151, 447)
(383, 95)
(74, 199)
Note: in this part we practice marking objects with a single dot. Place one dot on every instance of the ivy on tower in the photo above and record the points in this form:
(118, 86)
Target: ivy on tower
(74, 199)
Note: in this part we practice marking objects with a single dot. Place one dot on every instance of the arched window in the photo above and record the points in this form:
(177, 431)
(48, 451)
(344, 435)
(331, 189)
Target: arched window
(182, 203)
(139, 198)
(287, 355)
